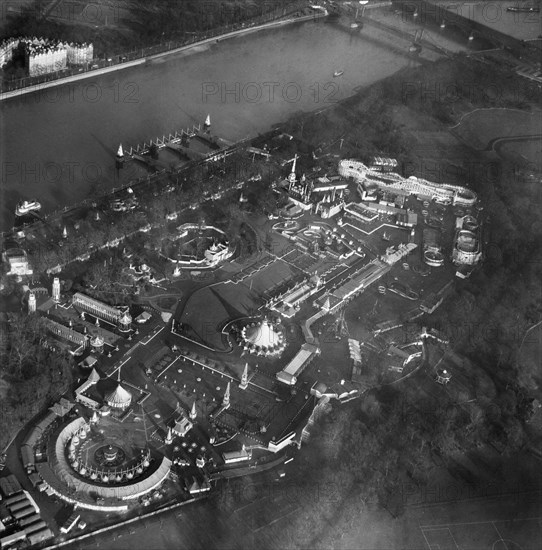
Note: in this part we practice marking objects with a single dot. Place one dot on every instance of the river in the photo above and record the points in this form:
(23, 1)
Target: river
(59, 144)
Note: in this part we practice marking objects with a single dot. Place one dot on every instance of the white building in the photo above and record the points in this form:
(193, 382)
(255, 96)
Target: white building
(18, 262)
(389, 181)
(298, 364)
(467, 250)
(79, 54)
(217, 252)
(6, 50)
(182, 426)
(231, 457)
(97, 308)
(45, 56)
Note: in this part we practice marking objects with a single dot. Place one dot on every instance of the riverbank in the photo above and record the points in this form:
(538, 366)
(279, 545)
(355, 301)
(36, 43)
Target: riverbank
(74, 130)
(196, 46)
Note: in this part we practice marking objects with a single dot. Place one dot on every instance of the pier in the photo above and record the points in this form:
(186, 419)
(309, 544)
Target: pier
(184, 152)
(165, 141)
(220, 148)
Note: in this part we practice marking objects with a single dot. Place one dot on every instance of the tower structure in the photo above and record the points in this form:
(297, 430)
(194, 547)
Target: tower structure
(443, 377)
(119, 159)
(125, 322)
(244, 378)
(193, 412)
(291, 175)
(226, 400)
(169, 437)
(56, 289)
(31, 303)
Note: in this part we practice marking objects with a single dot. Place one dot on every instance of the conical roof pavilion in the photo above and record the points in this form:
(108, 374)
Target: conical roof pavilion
(262, 338)
(119, 398)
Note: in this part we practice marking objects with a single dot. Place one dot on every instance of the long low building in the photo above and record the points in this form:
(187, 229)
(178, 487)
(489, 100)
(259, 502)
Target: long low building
(67, 333)
(103, 311)
(231, 457)
(9, 540)
(296, 366)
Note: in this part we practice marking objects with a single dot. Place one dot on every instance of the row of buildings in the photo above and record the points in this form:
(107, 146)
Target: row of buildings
(23, 522)
(43, 55)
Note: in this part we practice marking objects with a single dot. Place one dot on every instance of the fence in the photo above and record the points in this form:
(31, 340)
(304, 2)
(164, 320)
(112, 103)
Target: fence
(164, 140)
(163, 47)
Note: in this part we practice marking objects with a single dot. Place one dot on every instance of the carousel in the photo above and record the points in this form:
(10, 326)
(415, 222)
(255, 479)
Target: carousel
(107, 463)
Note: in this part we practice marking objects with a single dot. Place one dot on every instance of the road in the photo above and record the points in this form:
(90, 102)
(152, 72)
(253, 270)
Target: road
(495, 143)
(141, 61)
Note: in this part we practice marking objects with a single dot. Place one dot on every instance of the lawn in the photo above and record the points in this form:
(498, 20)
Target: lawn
(478, 128)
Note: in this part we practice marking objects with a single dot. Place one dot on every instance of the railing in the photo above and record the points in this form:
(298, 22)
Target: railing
(164, 140)
(163, 47)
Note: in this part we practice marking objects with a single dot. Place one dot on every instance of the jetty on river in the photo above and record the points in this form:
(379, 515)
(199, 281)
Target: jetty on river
(215, 148)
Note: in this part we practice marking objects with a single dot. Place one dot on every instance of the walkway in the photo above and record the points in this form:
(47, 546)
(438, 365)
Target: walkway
(143, 60)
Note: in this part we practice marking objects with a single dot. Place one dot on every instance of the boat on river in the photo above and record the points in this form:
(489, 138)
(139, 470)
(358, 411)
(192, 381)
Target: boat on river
(524, 9)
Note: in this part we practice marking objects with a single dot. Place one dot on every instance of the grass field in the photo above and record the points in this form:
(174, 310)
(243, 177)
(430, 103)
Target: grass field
(528, 151)
(478, 128)
(482, 535)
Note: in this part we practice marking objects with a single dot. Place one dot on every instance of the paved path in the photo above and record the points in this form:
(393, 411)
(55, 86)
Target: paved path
(141, 61)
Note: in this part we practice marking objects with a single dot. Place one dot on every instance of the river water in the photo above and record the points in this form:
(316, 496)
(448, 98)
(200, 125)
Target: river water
(59, 144)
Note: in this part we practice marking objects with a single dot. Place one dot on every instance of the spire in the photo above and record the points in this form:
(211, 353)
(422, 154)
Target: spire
(31, 303)
(64, 233)
(193, 412)
(226, 400)
(169, 437)
(244, 378)
(294, 163)
(56, 289)
(118, 379)
(119, 159)
(208, 121)
(291, 177)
